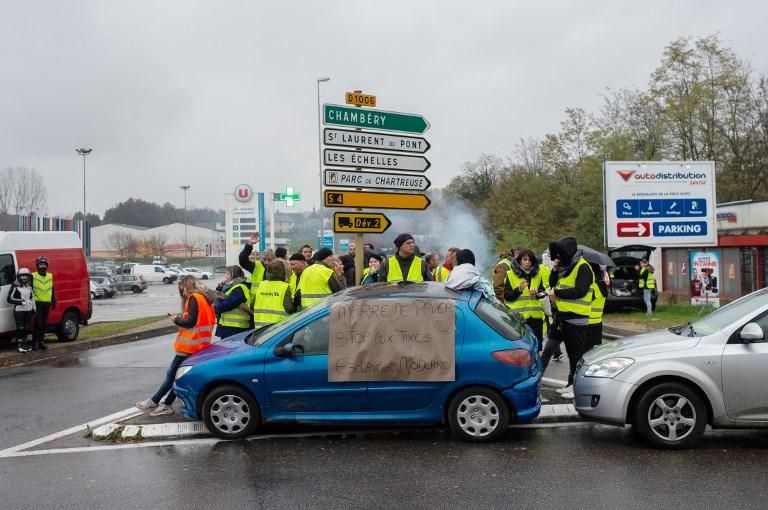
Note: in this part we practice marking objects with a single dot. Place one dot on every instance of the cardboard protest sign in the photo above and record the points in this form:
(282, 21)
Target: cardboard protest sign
(392, 340)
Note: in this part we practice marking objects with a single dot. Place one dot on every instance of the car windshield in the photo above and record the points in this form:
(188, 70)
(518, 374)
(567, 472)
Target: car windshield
(725, 316)
(261, 335)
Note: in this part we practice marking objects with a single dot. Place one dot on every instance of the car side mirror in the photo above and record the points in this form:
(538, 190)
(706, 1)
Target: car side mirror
(752, 332)
(284, 350)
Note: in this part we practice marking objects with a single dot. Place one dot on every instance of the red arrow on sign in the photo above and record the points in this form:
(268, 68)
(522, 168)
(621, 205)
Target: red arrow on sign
(633, 229)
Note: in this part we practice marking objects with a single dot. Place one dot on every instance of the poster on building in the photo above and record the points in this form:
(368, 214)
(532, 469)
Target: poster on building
(705, 278)
(392, 340)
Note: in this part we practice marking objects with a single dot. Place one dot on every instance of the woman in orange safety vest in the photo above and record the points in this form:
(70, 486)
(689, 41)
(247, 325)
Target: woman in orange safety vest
(196, 325)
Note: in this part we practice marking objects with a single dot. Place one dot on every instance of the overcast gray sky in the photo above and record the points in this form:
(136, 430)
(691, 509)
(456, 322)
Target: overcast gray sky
(212, 94)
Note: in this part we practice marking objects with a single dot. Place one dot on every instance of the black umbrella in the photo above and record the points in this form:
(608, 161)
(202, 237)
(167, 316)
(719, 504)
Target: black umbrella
(596, 257)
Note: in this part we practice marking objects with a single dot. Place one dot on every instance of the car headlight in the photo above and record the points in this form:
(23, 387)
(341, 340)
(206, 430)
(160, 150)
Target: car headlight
(182, 371)
(609, 368)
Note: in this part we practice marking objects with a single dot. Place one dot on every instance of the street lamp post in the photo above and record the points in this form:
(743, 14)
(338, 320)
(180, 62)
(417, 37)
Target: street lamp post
(320, 161)
(84, 152)
(185, 188)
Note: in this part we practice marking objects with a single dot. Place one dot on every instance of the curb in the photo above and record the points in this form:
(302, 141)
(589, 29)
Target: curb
(17, 358)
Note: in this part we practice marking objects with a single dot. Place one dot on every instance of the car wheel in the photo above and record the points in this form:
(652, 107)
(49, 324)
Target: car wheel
(166, 280)
(93, 296)
(478, 414)
(671, 415)
(136, 289)
(69, 327)
(205, 277)
(230, 412)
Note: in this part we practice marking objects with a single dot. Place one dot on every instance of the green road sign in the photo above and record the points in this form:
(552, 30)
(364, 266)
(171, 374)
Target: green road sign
(338, 115)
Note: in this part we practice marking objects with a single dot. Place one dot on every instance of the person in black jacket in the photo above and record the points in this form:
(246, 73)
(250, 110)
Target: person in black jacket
(20, 295)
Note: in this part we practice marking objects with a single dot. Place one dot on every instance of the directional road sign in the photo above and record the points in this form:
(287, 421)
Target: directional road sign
(371, 140)
(633, 229)
(358, 99)
(360, 223)
(338, 115)
(374, 200)
(376, 180)
(382, 160)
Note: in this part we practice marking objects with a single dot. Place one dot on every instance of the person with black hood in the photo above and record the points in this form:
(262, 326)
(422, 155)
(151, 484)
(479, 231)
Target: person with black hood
(405, 265)
(522, 285)
(319, 280)
(600, 292)
(571, 291)
(348, 261)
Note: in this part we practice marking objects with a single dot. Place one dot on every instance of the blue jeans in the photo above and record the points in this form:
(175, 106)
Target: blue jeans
(647, 301)
(167, 386)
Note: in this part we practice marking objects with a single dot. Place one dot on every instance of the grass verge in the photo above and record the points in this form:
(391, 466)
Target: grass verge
(665, 316)
(102, 329)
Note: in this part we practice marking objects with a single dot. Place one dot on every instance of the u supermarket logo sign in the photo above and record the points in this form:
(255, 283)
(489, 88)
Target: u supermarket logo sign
(243, 193)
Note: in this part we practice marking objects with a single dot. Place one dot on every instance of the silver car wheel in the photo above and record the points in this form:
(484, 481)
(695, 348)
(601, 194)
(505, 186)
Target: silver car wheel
(672, 417)
(477, 416)
(230, 414)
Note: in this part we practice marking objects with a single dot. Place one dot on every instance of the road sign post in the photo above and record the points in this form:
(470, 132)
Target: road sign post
(376, 180)
(381, 160)
(375, 200)
(360, 223)
(370, 140)
(338, 115)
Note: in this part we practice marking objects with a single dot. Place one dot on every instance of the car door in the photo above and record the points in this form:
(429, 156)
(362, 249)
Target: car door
(745, 376)
(299, 382)
(396, 396)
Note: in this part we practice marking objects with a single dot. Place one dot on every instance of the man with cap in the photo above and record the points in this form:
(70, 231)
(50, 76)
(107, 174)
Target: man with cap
(405, 265)
(319, 280)
(298, 264)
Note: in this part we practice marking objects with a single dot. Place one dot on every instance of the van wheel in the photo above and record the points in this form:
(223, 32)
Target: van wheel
(230, 412)
(136, 289)
(69, 327)
(166, 280)
(478, 414)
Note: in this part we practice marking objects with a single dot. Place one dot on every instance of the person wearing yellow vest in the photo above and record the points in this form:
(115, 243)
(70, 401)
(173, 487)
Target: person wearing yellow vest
(503, 264)
(646, 282)
(599, 294)
(571, 292)
(255, 267)
(196, 326)
(44, 294)
(319, 280)
(273, 301)
(298, 264)
(233, 305)
(405, 265)
(522, 285)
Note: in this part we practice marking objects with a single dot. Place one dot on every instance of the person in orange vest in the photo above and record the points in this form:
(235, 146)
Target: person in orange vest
(196, 325)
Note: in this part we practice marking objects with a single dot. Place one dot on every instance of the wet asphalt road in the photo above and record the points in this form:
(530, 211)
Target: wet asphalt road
(580, 466)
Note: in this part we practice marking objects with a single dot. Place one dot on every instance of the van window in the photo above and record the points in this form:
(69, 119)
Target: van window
(7, 270)
(159, 270)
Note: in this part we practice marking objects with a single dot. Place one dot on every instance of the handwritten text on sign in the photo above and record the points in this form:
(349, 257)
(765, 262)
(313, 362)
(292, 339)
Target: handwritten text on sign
(392, 340)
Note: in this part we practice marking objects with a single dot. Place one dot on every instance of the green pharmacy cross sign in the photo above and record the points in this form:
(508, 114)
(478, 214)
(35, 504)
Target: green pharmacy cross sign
(289, 197)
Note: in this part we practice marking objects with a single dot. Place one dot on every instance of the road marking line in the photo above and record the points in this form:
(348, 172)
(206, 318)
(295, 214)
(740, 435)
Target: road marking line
(111, 447)
(554, 425)
(124, 414)
(554, 382)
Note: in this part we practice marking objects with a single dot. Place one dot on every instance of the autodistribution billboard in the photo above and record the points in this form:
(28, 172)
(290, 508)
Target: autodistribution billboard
(660, 203)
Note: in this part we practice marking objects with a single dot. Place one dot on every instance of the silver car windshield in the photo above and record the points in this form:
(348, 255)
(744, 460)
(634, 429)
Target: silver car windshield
(725, 316)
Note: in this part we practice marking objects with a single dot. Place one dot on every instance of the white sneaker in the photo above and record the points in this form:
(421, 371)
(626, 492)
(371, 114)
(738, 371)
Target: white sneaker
(567, 389)
(569, 395)
(162, 410)
(543, 399)
(145, 404)
(559, 357)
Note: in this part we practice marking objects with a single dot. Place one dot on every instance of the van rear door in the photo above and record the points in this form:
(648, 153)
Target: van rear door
(7, 276)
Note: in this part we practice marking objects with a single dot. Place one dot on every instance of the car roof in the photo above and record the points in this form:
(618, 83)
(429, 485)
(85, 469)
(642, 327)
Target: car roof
(428, 290)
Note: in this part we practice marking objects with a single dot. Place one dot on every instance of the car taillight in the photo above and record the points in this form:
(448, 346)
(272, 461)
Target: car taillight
(514, 357)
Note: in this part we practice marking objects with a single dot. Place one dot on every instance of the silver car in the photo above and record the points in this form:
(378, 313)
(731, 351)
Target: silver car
(669, 384)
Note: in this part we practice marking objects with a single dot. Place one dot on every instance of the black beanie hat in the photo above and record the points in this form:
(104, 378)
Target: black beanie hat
(297, 256)
(322, 254)
(399, 240)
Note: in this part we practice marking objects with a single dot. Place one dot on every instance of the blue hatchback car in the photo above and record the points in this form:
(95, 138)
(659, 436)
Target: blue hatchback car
(280, 374)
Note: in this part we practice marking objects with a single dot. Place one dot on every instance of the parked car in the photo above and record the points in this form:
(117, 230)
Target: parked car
(110, 289)
(280, 373)
(624, 288)
(102, 269)
(96, 291)
(670, 384)
(153, 273)
(197, 273)
(130, 282)
(66, 262)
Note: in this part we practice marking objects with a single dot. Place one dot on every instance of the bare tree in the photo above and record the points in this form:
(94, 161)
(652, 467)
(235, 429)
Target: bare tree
(22, 190)
(156, 244)
(124, 243)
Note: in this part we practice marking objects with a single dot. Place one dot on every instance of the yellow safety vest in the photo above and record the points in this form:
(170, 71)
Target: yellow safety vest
(598, 304)
(545, 273)
(579, 306)
(313, 284)
(526, 305)
(292, 284)
(257, 276)
(394, 274)
(268, 307)
(236, 317)
(440, 273)
(42, 287)
(646, 279)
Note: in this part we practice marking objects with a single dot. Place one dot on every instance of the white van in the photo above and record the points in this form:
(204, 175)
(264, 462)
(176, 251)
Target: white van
(153, 273)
